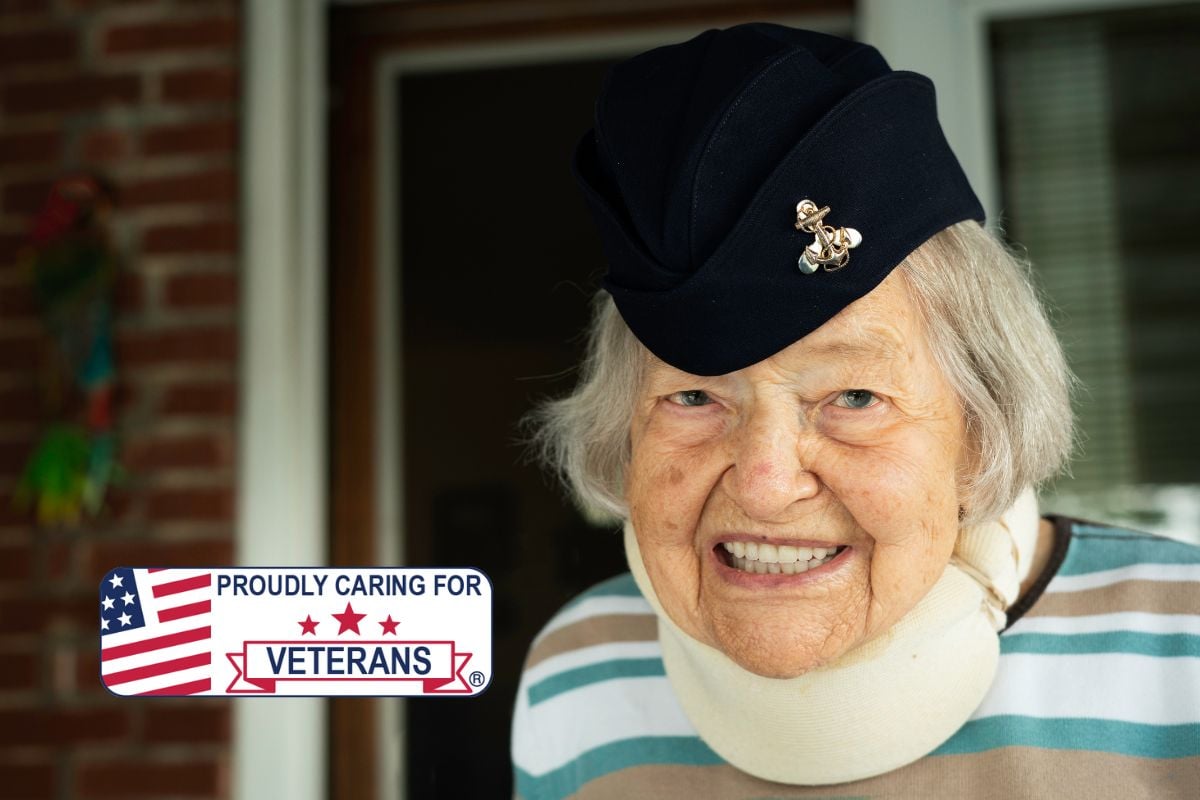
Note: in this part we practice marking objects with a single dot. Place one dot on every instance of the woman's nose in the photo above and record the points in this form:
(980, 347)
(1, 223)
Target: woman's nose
(768, 475)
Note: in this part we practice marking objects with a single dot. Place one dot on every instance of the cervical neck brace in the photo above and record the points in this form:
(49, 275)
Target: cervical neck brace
(880, 706)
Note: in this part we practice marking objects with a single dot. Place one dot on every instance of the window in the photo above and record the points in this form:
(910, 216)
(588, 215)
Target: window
(1098, 130)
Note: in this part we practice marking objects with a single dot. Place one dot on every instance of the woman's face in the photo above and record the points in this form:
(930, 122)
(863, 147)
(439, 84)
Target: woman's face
(848, 442)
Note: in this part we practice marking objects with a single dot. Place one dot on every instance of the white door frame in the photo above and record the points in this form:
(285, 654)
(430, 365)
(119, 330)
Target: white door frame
(279, 745)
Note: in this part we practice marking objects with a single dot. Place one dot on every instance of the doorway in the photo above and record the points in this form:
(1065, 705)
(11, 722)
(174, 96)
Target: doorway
(462, 268)
(499, 264)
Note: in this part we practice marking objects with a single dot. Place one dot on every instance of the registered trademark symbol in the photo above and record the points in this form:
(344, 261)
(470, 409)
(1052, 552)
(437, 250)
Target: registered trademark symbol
(476, 678)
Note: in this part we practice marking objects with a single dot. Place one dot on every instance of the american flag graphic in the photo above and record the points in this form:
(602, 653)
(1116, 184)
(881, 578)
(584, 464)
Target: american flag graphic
(155, 631)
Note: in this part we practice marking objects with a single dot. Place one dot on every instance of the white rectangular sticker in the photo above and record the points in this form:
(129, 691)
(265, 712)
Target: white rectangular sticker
(278, 631)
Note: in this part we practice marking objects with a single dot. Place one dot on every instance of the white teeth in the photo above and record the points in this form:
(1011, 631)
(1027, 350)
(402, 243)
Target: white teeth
(764, 559)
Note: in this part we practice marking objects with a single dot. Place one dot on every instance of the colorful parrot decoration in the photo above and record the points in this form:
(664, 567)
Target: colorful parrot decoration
(74, 265)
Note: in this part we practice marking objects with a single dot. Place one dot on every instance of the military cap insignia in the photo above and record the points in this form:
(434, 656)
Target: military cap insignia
(831, 247)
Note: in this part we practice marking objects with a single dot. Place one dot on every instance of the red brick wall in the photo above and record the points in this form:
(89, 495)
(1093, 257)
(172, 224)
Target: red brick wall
(147, 92)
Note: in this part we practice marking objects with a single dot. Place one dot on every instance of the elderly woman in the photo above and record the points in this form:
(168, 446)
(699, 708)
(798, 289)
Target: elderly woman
(818, 393)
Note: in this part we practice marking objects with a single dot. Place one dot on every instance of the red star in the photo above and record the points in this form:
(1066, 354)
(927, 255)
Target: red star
(348, 619)
(389, 625)
(308, 625)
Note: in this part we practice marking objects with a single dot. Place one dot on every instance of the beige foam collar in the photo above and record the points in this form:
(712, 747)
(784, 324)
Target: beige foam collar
(885, 704)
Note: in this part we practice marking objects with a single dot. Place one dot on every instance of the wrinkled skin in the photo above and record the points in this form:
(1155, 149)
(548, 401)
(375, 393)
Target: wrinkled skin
(851, 436)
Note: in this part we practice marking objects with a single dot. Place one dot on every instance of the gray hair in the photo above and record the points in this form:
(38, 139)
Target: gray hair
(988, 332)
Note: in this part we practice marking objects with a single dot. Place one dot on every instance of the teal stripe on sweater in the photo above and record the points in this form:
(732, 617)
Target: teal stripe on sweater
(1161, 645)
(576, 678)
(1107, 736)
(1113, 548)
(600, 761)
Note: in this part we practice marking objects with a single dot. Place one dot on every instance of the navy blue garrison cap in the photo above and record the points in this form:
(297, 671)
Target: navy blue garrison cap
(696, 170)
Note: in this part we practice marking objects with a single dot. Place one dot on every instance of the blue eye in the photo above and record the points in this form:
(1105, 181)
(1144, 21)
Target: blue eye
(857, 398)
(692, 397)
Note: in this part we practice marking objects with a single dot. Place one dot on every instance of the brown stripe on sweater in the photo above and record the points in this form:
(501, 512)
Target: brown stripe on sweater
(1151, 597)
(602, 629)
(999, 774)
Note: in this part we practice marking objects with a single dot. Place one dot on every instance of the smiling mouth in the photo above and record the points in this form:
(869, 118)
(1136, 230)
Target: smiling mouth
(763, 559)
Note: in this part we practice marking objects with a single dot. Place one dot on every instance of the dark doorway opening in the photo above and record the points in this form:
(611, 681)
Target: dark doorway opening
(498, 265)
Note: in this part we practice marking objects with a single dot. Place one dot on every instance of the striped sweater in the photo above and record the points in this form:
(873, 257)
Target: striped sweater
(1097, 695)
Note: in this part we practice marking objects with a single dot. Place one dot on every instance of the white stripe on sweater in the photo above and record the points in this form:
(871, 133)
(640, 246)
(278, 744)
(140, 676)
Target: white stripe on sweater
(586, 656)
(1111, 686)
(1136, 572)
(1139, 621)
(593, 715)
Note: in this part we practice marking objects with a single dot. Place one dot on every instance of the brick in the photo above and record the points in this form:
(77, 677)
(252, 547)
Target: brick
(30, 148)
(206, 237)
(190, 345)
(119, 505)
(103, 146)
(175, 36)
(24, 8)
(190, 505)
(196, 138)
(12, 517)
(90, 5)
(177, 452)
(14, 454)
(205, 723)
(87, 672)
(58, 560)
(22, 353)
(139, 552)
(217, 186)
(129, 293)
(12, 247)
(44, 726)
(16, 563)
(81, 93)
(217, 399)
(112, 779)
(17, 301)
(26, 198)
(24, 614)
(124, 393)
(209, 85)
(29, 781)
(38, 48)
(20, 672)
(202, 290)
(20, 403)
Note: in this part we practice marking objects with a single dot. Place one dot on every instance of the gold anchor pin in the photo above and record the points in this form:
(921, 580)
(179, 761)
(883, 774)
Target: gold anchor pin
(831, 248)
